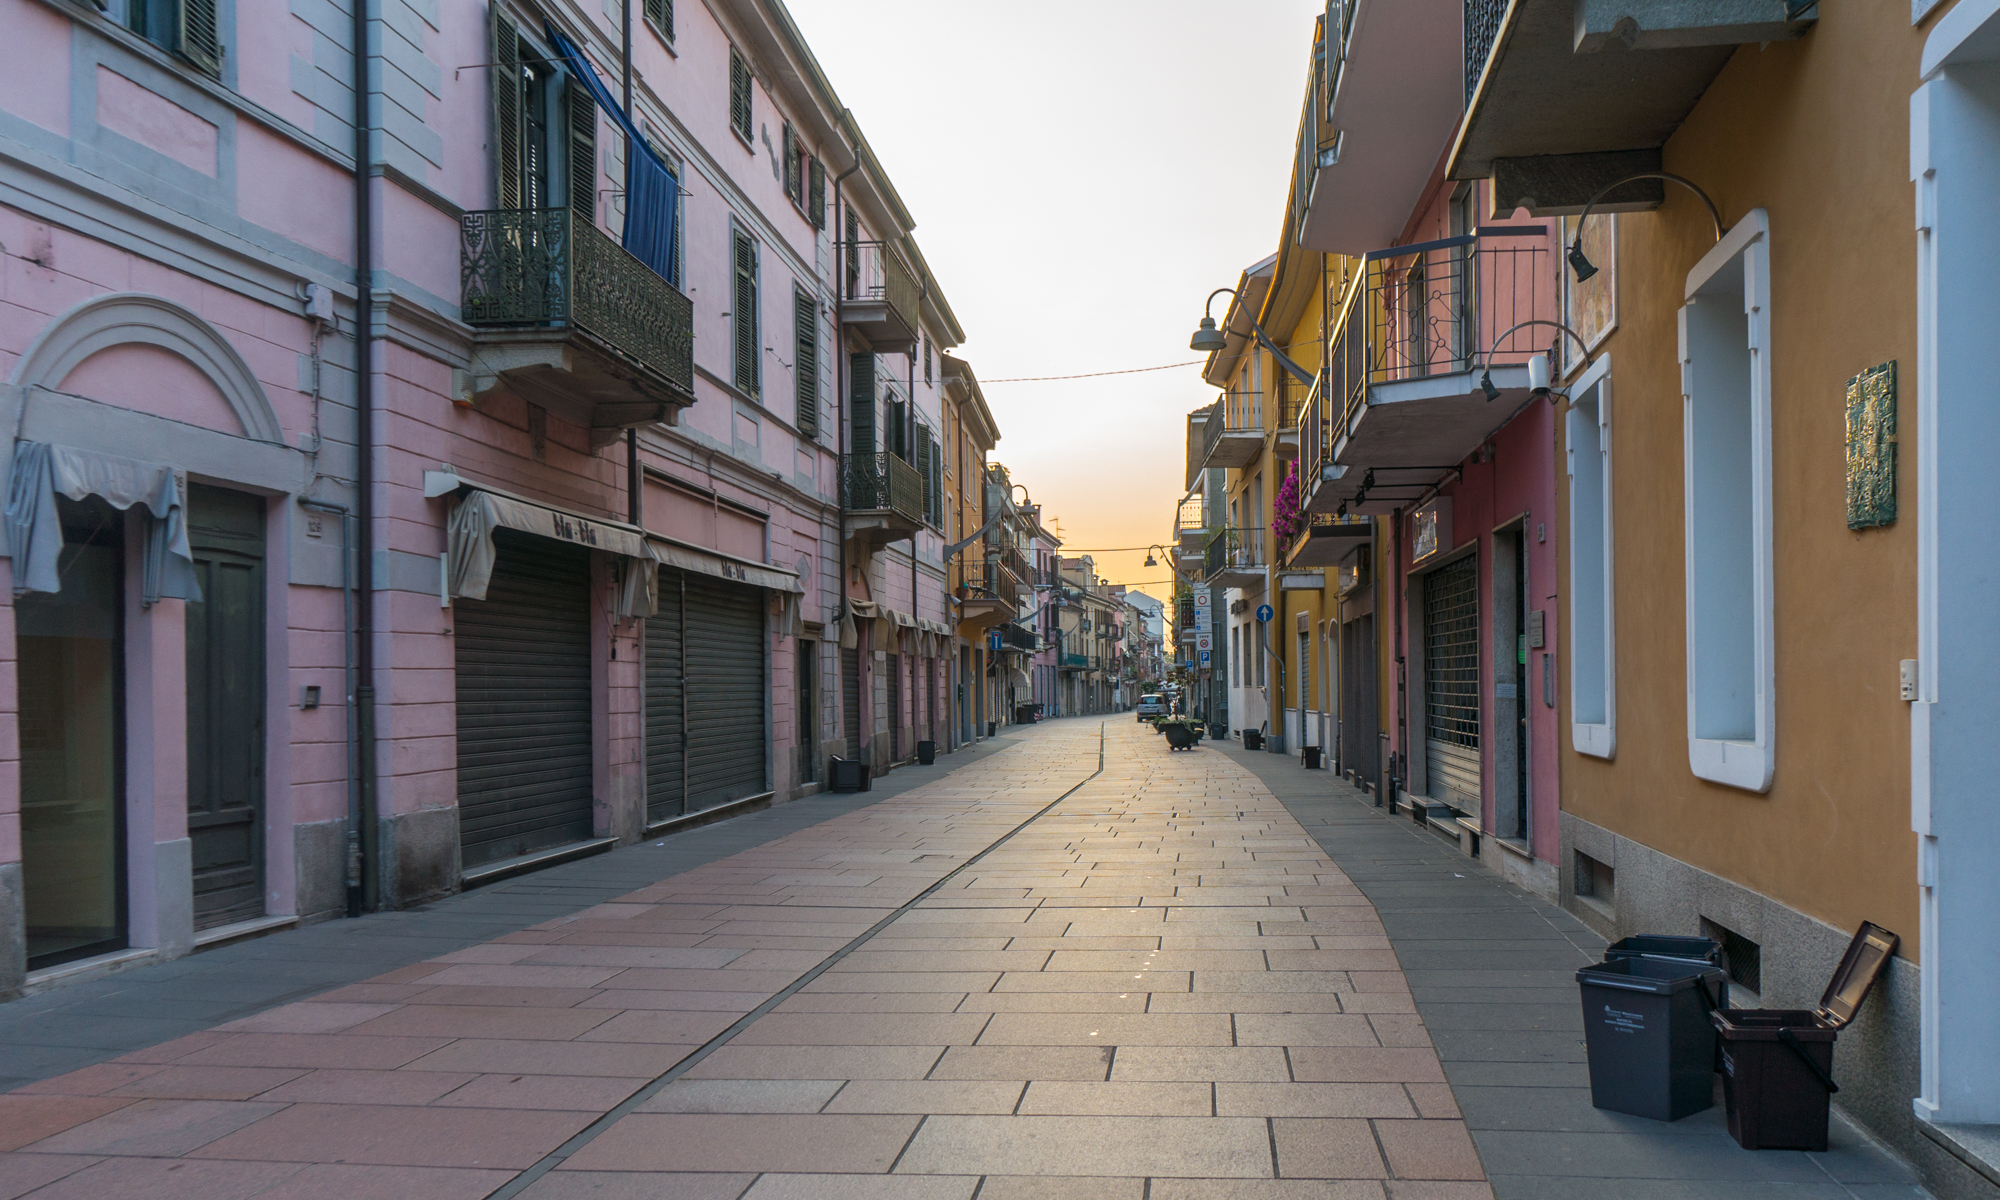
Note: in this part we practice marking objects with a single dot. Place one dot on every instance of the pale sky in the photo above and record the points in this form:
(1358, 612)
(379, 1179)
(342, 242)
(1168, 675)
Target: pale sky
(1082, 175)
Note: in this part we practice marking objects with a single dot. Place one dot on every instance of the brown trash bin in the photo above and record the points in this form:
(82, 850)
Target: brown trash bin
(1777, 1063)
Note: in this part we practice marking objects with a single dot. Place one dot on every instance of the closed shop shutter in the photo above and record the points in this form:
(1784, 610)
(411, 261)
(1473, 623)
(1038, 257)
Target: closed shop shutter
(725, 653)
(523, 659)
(666, 711)
(850, 700)
(1451, 683)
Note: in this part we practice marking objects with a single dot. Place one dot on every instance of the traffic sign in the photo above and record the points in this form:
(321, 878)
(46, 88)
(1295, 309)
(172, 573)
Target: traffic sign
(1205, 643)
(1204, 658)
(1264, 612)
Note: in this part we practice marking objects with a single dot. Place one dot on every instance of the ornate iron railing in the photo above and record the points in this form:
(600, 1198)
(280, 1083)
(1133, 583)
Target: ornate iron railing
(876, 272)
(1233, 550)
(542, 266)
(874, 482)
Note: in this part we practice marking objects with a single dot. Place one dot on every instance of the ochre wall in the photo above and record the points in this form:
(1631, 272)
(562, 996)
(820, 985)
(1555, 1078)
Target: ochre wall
(1816, 132)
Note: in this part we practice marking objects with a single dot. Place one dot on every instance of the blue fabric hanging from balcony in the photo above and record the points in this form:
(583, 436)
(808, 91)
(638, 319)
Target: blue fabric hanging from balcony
(652, 197)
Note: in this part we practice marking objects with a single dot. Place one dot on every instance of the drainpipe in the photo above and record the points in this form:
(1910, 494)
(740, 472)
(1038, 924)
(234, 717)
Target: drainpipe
(364, 452)
(635, 491)
(842, 369)
(354, 856)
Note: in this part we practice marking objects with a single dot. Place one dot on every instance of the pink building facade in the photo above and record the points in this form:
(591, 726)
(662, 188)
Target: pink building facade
(320, 597)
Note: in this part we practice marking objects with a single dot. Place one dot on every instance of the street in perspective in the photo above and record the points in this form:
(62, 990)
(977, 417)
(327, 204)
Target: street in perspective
(1423, 663)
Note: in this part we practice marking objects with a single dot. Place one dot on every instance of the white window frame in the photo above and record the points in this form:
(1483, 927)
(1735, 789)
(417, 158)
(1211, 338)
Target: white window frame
(1747, 759)
(1581, 428)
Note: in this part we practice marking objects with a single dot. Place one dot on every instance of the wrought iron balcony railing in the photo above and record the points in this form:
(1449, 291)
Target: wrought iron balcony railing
(1425, 310)
(1234, 550)
(543, 267)
(878, 482)
(876, 274)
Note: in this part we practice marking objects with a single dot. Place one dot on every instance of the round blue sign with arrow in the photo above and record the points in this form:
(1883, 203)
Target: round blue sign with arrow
(1264, 612)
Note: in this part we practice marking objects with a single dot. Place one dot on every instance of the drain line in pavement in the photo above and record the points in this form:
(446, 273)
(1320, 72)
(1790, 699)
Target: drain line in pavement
(589, 1133)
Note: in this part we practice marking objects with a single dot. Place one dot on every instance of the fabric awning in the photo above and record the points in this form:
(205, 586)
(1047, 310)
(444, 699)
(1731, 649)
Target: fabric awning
(479, 512)
(723, 566)
(41, 472)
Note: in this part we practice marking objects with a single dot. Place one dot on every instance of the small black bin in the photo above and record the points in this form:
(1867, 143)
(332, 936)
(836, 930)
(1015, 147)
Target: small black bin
(926, 753)
(847, 775)
(1647, 1035)
(1777, 1063)
(1253, 739)
(1309, 756)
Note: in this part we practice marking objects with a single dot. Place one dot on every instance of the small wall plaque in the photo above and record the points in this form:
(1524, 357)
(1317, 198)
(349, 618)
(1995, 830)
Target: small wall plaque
(1871, 447)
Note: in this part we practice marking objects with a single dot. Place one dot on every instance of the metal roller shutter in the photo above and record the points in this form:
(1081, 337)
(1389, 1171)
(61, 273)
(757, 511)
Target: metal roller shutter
(850, 700)
(523, 659)
(1451, 683)
(666, 704)
(724, 652)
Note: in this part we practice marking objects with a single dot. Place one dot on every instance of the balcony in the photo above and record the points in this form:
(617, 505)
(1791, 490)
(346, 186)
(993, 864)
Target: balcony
(1400, 401)
(1233, 436)
(1567, 96)
(881, 297)
(1234, 558)
(1191, 524)
(1016, 637)
(1327, 540)
(568, 320)
(1389, 79)
(884, 497)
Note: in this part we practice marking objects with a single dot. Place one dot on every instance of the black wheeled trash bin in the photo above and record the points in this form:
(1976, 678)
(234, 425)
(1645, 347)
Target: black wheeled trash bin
(1647, 1035)
(1777, 1063)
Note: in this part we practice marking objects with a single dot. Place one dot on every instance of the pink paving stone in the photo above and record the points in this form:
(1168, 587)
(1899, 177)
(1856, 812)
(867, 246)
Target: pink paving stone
(1361, 1064)
(485, 1021)
(745, 1095)
(862, 1029)
(157, 1128)
(208, 1083)
(689, 979)
(417, 1137)
(25, 1119)
(312, 1050)
(90, 1081)
(516, 975)
(369, 1087)
(636, 1185)
(612, 1059)
(409, 974)
(662, 998)
(686, 1027)
(1326, 1149)
(519, 997)
(756, 1142)
(180, 1047)
(817, 1062)
(1421, 1189)
(168, 1179)
(1429, 1150)
(863, 1187)
(23, 1173)
(556, 1093)
(1433, 1099)
(350, 1181)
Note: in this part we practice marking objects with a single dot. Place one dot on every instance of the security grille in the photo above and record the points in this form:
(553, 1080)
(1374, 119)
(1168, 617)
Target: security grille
(1451, 679)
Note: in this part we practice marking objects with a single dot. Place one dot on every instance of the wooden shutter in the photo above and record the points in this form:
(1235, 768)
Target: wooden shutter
(582, 150)
(898, 442)
(861, 403)
(198, 37)
(805, 334)
(739, 93)
(937, 482)
(853, 268)
(793, 183)
(744, 313)
(816, 194)
(506, 75)
(661, 14)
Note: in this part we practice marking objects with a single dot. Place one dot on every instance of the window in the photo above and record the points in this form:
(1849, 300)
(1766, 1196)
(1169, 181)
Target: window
(816, 193)
(1725, 333)
(660, 15)
(743, 315)
(739, 94)
(929, 365)
(1587, 438)
(805, 358)
(189, 28)
(795, 176)
(545, 132)
(853, 256)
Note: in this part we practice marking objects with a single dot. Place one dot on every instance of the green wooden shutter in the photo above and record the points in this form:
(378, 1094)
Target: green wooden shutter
(816, 194)
(744, 313)
(506, 76)
(739, 93)
(937, 483)
(661, 14)
(793, 183)
(582, 150)
(199, 37)
(897, 441)
(805, 333)
(861, 402)
(853, 268)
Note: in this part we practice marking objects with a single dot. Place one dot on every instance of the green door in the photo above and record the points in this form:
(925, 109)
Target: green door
(225, 706)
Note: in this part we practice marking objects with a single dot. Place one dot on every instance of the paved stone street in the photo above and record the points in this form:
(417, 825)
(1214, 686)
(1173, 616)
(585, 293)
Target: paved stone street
(1078, 967)
(1154, 983)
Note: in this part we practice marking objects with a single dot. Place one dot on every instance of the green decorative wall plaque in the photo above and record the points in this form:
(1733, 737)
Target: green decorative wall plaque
(1871, 447)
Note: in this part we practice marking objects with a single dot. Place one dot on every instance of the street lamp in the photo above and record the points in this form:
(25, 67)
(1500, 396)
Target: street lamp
(1538, 367)
(1210, 340)
(1582, 265)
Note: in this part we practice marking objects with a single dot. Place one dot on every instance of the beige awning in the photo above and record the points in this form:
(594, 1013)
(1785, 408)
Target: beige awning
(702, 561)
(479, 512)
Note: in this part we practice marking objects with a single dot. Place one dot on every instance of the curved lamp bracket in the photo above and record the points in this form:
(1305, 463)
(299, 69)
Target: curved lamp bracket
(1486, 373)
(1583, 267)
(1293, 369)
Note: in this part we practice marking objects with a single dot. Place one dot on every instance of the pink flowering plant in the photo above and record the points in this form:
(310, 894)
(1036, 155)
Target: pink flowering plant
(1286, 519)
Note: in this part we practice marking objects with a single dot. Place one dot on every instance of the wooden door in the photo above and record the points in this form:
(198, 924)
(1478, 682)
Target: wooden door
(225, 706)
